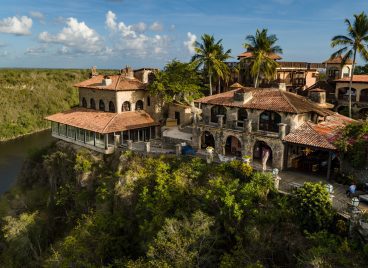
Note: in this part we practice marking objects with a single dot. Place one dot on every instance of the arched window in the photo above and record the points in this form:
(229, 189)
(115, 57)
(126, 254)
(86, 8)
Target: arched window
(101, 105)
(242, 115)
(84, 103)
(218, 110)
(111, 107)
(126, 106)
(139, 105)
(268, 121)
(92, 104)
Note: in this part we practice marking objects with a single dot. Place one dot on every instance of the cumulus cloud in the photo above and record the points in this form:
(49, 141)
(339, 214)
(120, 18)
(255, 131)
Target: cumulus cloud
(77, 37)
(16, 25)
(189, 44)
(133, 41)
(36, 50)
(37, 15)
(156, 26)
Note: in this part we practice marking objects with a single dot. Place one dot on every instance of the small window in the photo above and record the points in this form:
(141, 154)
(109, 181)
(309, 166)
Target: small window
(92, 104)
(148, 101)
(101, 105)
(84, 103)
(126, 106)
(139, 105)
(111, 107)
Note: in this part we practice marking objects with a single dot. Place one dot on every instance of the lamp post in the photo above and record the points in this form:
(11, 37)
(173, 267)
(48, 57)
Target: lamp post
(275, 174)
(330, 190)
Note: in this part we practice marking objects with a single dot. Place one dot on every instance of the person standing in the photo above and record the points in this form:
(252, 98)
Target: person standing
(265, 155)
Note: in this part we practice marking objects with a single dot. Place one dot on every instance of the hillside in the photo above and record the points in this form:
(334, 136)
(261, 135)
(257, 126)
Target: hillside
(28, 95)
(74, 208)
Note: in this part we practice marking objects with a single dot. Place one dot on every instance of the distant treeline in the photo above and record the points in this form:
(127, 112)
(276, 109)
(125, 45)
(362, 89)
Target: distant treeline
(28, 95)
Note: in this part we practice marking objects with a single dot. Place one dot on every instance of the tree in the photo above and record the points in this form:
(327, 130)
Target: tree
(211, 55)
(262, 46)
(178, 81)
(352, 43)
(361, 69)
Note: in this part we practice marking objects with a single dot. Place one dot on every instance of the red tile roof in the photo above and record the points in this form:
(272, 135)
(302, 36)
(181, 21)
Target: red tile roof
(119, 83)
(338, 60)
(246, 55)
(103, 122)
(321, 135)
(357, 78)
(271, 99)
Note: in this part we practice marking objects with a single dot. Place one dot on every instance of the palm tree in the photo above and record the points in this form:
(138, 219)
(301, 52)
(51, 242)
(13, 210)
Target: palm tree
(225, 70)
(210, 55)
(263, 47)
(352, 43)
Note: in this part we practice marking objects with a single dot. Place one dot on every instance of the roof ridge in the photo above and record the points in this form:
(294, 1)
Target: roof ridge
(288, 101)
(108, 123)
(117, 82)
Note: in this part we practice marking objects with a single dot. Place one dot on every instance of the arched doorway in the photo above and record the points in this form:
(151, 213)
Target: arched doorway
(269, 121)
(101, 105)
(343, 94)
(92, 104)
(232, 146)
(139, 105)
(218, 110)
(84, 103)
(111, 107)
(207, 139)
(126, 106)
(259, 150)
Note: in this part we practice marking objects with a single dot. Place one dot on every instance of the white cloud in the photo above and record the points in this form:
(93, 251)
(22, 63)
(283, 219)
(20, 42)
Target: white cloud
(36, 50)
(139, 27)
(156, 26)
(189, 44)
(16, 25)
(76, 37)
(111, 20)
(37, 15)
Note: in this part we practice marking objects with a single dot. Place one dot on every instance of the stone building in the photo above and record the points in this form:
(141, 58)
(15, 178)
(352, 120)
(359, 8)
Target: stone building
(245, 121)
(113, 110)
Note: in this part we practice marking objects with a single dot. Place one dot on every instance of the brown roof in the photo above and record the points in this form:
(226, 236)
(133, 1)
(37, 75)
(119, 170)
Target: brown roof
(357, 78)
(271, 99)
(236, 85)
(321, 135)
(338, 60)
(246, 55)
(119, 83)
(103, 122)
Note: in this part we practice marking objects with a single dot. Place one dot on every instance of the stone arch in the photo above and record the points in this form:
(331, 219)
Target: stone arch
(259, 149)
(207, 139)
(84, 103)
(111, 107)
(92, 104)
(126, 106)
(343, 93)
(218, 110)
(269, 121)
(139, 105)
(233, 146)
(363, 95)
(101, 105)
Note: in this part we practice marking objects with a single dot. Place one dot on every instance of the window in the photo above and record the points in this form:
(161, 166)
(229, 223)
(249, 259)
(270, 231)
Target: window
(100, 140)
(92, 104)
(80, 134)
(55, 127)
(62, 129)
(101, 105)
(111, 107)
(84, 103)
(126, 106)
(242, 115)
(139, 105)
(218, 110)
(89, 137)
(268, 121)
(71, 132)
(148, 101)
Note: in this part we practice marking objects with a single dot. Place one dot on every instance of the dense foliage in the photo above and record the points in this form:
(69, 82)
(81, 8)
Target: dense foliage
(27, 96)
(74, 208)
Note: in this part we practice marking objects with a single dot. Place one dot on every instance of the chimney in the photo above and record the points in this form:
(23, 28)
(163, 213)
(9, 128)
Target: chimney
(242, 96)
(106, 81)
(282, 86)
(282, 130)
(128, 72)
(318, 96)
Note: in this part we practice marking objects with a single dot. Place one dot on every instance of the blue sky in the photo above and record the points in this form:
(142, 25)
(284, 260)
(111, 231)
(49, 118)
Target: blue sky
(149, 33)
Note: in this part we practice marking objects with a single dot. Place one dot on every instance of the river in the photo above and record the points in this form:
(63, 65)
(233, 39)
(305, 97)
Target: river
(14, 152)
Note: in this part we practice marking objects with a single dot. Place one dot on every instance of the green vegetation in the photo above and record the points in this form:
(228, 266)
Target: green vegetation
(28, 95)
(354, 42)
(75, 208)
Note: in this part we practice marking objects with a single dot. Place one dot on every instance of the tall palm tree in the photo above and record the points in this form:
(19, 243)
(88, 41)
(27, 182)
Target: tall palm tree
(354, 42)
(210, 55)
(225, 70)
(263, 47)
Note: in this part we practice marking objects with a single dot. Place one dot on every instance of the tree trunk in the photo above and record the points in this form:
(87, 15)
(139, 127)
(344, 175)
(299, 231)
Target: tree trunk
(351, 82)
(219, 85)
(257, 77)
(210, 80)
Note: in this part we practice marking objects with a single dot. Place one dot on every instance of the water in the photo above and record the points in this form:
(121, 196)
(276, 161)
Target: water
(13, 153)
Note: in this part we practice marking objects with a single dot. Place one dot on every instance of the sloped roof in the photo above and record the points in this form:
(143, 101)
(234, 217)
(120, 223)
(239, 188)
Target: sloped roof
(236, 85)
(338, 60)
(271, 99)
(103, 122)
(118, 83)
(357, 78)
(321, 135)
(246, 55)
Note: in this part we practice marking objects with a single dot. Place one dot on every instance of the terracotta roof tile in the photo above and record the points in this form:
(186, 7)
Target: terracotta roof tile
(119, 83)
(338, 60)
(321, 135)
(103, 122)
(247, 54)
(271, 99)
(357, 78)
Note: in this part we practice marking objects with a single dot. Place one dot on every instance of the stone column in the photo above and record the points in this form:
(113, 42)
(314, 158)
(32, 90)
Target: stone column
(248, 125)
(94, 138)
(178, 149)
(130, 144)
(121, 138)
(282, 130)
(157, 132)
(147, 147)
(106, 140)
(220, 120)
(85, 136)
